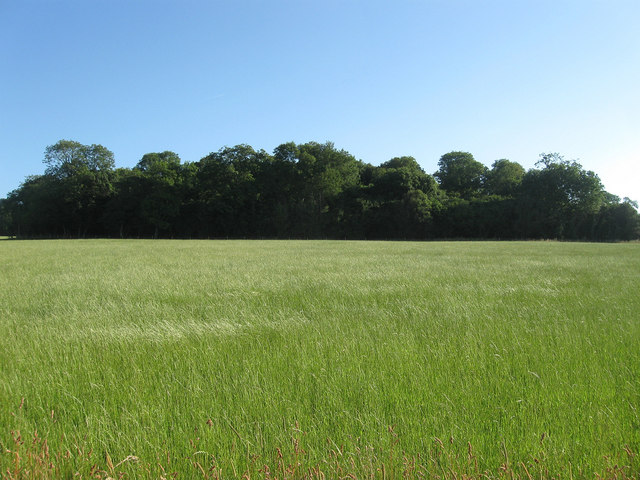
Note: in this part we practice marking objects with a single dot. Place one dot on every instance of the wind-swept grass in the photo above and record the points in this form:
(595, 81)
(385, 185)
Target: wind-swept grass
(171, 356)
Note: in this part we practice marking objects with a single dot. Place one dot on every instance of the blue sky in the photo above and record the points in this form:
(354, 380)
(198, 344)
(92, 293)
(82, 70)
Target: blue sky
(499, 79)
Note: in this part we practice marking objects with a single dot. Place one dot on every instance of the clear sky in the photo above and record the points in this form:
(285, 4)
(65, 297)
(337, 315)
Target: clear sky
(500, 79)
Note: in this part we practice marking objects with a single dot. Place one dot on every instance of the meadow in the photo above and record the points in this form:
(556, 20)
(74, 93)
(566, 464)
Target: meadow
(319, 359)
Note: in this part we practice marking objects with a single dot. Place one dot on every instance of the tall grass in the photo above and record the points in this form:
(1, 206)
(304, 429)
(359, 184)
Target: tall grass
(226, 356)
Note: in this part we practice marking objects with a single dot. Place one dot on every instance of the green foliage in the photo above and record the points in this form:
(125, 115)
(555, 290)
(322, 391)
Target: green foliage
(68, 158)
(504, 178)
(560, 200)
(402, 198)
(460, 174)
(160, 181)
(311, 190)
(618, 221)
(228, 190)
(160, 165)
(70, 197)
(6, 212)
(123, 212)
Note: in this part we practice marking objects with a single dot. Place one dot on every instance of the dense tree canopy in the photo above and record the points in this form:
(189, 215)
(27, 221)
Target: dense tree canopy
(68, 158)
(460, 174)
(560, 199)
(311, 190)
(504, 178)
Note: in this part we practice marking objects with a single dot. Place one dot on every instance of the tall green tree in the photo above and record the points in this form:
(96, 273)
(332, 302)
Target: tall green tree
(403, 199)
(323, 176)
(160, 183)
(228, 191)
(123, 213)
(504, 178)
(81, 175)
(460, 175)
(618, 221)
(37, 208)
(279, 190)
(559, 199)
(68, 158)
(5, 217)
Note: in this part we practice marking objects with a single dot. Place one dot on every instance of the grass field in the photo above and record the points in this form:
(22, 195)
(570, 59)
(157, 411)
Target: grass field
(292, 358)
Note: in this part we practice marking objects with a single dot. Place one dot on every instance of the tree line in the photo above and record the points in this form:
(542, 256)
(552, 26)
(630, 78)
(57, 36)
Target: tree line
(311, 190)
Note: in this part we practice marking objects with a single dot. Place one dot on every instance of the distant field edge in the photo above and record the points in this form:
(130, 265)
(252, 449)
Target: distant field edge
(331, 239)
